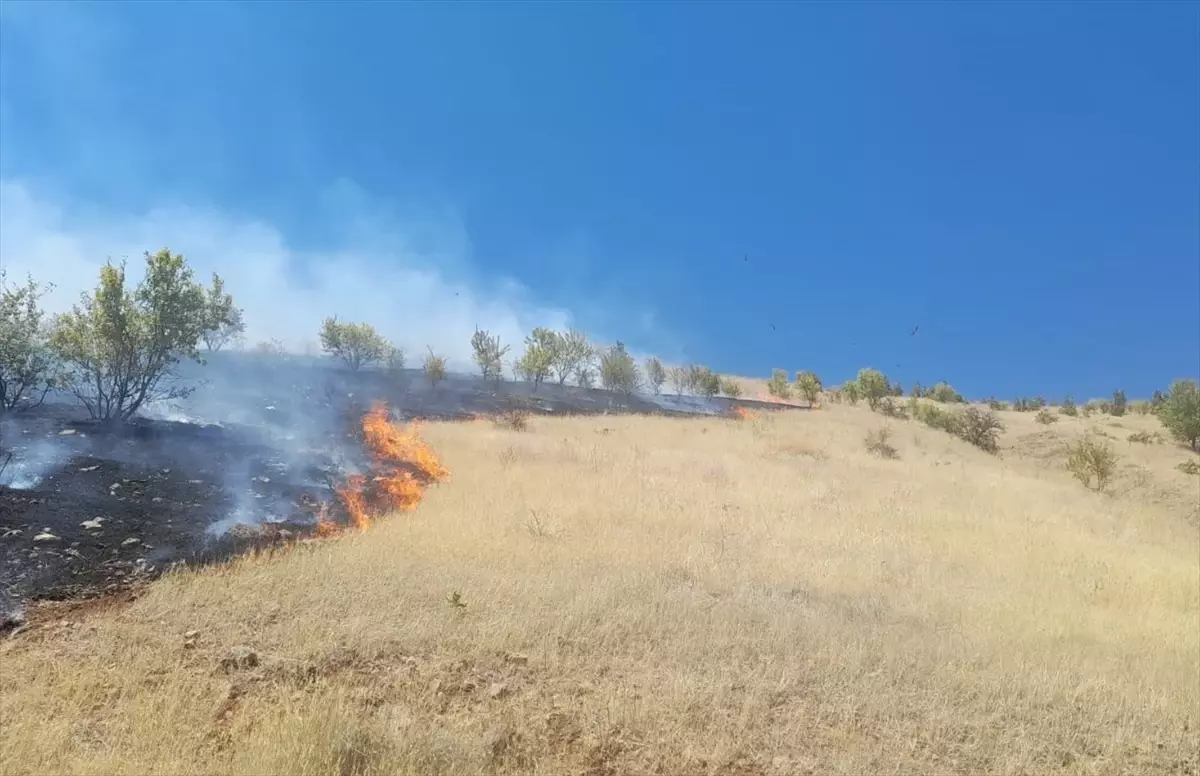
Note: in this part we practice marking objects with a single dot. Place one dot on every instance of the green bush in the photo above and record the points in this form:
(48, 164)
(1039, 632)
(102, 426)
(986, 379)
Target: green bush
(27, 364)
(1089, 459)
(979, 428)
(1119, 403)
(489, 355)
(1068, 407)
(945, 394)
(777, 386)
(356, 344)
(1179, 412)
(537, 362)
(434, 367)
(851, 392)
(873, 385)
(935, 417)
(808, 385)
(618, 370)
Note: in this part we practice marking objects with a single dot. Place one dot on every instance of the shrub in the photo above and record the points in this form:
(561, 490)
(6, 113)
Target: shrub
(434, 367)
(979, 428)
(873, 386)
(945, 394)
(271, 347)
(889, 408)
(1046, 417)
(1190, 466)
(119, 347)
(851, 392)
(1089, 459)
(488, 355)
(1141, 407)
(356, 344)
(1119, 403)
(935, 417)
(878, 443)
(618, 371)
(993, 403)
(537, 361)
(26, 362)
(1145, 437)
(656, 375)
(730, 387)
(808, 385)
(777, 386)
(1068, 407)
(1179, 412)
(513, 418)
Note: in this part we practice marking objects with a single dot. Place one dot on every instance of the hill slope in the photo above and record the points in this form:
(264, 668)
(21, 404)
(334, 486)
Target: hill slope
(658, 595)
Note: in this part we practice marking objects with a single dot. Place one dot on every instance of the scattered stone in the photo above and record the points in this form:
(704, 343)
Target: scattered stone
(45, 536)
(131, 540)
(240, 657)
(114, 487)
(189, 639)
(516, 659)
(10, 532)
(67, 432)
(156, 500)
(93, 524)
(497, 690)
(90, 468)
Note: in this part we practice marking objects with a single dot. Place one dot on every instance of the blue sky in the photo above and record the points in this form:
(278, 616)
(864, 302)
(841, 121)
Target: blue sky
(747, 185)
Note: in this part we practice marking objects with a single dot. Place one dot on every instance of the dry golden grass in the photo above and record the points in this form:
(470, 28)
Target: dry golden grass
(654, 595)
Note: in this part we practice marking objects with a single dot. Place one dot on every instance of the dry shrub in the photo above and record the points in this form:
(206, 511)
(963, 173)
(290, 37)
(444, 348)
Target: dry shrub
(513, 419)
(1046, 417)
(1145, 437)
(1089, 459)
(1190, 466)
(878, 443)
(980, 428)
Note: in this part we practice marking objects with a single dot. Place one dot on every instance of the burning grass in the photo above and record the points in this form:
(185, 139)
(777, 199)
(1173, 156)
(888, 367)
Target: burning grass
(668, 596)
(402, 466)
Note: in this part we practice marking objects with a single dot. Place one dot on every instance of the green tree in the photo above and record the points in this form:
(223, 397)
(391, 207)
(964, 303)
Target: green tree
(808, 385)
(228, 324)
(656, 375)
(730, 387)
(1119, 403)
(706, 382)
(434, 367)
(618, 370)
(680, 379)
(536, 364)
(777, 386)
(26, 361)
(1179, 412)
(489, 355)
(119, 347)
(873, 385)
(570, 353)
(356, 344)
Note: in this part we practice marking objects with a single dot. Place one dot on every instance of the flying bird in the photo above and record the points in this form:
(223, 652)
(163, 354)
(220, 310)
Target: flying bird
(913, 333)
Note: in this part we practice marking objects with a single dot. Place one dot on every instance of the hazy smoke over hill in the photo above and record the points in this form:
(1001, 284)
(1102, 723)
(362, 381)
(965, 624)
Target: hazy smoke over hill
(414, 297)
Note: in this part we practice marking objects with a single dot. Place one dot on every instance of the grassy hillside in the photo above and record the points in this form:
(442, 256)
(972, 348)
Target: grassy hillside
(656, 595)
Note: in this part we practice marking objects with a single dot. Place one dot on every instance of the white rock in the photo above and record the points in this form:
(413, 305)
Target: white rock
(92, 525)
(45, 537)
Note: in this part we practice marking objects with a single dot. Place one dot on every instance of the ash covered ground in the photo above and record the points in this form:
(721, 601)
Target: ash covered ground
(248, 458)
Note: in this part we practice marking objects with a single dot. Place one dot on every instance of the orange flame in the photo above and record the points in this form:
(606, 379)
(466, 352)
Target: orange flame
(403, 466)
(742, 413)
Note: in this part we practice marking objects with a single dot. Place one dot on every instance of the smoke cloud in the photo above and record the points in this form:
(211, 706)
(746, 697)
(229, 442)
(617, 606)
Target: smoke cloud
(375, 276)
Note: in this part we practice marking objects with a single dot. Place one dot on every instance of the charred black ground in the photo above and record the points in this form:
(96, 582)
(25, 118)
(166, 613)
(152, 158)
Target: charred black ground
(246, 459)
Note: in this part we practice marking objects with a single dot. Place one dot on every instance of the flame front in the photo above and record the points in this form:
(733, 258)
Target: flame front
(402, 466)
